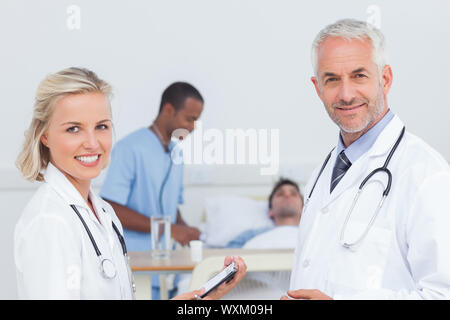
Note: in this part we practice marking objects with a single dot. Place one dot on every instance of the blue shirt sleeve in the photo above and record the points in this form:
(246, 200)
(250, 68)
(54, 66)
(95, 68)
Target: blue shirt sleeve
(120, 176)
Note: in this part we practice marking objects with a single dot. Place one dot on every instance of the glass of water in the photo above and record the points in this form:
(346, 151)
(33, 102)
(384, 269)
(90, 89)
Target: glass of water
(160, 237)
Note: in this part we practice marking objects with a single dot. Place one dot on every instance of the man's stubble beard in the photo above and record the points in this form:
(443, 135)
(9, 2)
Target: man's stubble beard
(286, 212)
(371, 117)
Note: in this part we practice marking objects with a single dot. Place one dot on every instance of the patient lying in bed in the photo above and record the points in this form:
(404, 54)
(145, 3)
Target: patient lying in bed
(285, 208)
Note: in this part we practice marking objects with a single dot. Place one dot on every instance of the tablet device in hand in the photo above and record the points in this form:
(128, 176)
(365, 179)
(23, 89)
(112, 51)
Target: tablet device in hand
(225, 275)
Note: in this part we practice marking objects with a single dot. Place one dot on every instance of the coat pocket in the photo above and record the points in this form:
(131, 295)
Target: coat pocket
(361, 267)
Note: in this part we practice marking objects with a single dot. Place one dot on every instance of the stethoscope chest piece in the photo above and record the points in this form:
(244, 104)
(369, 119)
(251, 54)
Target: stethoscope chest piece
(108, 269)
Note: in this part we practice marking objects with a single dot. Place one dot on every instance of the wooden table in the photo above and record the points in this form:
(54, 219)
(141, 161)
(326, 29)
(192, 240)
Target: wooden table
(144, 265)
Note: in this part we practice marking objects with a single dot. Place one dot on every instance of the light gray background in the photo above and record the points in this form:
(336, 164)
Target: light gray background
(249, 59)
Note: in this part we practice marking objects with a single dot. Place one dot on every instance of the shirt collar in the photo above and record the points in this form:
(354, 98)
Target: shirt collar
(59, 182)
(172, 143)
(97, 203)
(366, 141)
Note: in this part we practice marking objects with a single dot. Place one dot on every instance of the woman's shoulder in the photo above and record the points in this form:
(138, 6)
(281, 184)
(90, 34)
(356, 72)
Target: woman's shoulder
(44, 224)
(45, 204)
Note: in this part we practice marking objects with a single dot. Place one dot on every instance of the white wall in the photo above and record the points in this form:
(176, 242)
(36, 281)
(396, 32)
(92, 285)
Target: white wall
(250, 60)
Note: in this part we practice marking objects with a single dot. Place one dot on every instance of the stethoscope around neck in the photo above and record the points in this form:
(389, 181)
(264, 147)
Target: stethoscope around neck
(107, 267)
(350, 245)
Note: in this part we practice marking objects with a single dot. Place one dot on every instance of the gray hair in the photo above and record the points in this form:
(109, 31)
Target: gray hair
(352, 29)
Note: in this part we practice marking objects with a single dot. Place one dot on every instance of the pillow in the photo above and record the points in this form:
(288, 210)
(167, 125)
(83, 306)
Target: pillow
(229, 216)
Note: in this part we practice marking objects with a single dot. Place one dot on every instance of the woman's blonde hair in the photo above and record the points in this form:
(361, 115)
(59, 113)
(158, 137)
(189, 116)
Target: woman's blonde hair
(34, 156)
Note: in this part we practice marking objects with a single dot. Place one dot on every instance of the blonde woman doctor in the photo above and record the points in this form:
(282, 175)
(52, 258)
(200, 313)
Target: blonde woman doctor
(68, 242)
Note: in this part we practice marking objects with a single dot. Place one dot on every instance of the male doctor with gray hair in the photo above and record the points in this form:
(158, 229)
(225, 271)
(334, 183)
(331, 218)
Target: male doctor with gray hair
(376, 220)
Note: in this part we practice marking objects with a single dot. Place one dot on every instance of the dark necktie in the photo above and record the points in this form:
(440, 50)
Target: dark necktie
(340, 168)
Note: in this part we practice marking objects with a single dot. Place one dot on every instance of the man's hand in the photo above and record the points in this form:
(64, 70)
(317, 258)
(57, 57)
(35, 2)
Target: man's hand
(184, 234)
(306, 294)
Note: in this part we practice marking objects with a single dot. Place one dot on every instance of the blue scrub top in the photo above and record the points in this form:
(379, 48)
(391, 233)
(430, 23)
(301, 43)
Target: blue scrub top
(138, 167)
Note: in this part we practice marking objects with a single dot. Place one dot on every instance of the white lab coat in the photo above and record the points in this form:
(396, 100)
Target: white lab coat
(53, 254)
(406, 254)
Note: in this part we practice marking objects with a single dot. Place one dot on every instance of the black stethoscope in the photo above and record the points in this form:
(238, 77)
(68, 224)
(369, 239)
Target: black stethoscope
(163, 185)
(166, 177)
(363, 183)
(108, 270)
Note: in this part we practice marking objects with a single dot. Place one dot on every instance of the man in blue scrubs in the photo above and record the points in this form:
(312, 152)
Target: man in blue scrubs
(143, 181)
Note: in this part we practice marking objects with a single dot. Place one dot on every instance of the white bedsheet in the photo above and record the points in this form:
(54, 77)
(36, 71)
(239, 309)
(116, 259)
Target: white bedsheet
(282, 237)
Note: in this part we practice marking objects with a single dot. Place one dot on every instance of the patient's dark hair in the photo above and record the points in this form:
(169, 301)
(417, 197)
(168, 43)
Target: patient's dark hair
(177, 93)
(281, 183)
